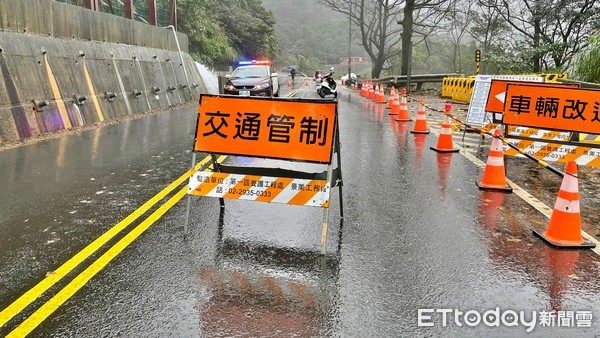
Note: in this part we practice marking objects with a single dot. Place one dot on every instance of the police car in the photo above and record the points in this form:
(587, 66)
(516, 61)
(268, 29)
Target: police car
(252, 78)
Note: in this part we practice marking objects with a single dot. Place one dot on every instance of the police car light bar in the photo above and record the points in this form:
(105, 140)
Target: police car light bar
(253, 62)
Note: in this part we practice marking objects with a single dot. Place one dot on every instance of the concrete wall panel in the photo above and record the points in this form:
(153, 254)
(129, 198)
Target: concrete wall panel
(8, 128)
(194, 77)
(57, 19)
(37, 34)
(25, 64)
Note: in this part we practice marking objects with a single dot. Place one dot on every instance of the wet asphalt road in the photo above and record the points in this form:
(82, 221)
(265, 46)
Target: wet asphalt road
(417, 234)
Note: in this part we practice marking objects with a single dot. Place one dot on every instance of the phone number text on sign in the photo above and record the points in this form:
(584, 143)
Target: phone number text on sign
(260, 188)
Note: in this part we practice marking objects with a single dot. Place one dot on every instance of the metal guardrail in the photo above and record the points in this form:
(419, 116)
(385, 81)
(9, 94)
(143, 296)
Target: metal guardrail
(419, 79)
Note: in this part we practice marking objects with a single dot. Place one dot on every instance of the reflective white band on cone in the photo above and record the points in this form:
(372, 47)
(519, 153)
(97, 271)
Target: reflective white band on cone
(496, 161)
(567, 206)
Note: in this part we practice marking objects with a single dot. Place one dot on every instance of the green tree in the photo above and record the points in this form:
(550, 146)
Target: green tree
(490, 30)
(221, 31)
(386, 24)
(249, 27)
(208, 42)
(554, 30)
(379, 30)
(586, 64)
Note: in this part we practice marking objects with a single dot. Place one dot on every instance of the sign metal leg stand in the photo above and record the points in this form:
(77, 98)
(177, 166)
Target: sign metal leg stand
(189, 201)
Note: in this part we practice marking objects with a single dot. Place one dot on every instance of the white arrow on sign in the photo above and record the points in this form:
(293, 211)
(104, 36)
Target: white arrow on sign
(501, 97)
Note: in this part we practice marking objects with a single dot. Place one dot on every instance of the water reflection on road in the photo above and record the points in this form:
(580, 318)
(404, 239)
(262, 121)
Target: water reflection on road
(262, 290)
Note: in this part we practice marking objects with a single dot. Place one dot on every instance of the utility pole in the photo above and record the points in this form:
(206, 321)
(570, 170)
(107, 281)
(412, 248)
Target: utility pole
(152, 12)
(128, 9)
(349, 49)
(174, 13)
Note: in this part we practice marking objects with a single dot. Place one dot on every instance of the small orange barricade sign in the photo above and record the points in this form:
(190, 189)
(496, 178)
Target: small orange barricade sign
(497, 95)
(293, 191)
(280, 129)
(538, 134)
(555, 152)
(569, 109)
(287, 129)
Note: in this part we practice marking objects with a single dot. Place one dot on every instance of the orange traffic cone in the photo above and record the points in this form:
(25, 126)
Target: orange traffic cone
(564, 229)
(363, 89)
(403, 108)
(381, 97)
(444, 144)
(371, 91)
(376, 93)
(493, 175)
(420, 126)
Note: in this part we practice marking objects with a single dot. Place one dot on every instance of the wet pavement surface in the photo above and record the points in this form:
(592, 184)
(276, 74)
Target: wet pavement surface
(417, 234)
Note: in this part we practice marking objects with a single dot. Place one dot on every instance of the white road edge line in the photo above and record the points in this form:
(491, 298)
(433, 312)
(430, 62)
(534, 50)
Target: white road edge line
(527, 197)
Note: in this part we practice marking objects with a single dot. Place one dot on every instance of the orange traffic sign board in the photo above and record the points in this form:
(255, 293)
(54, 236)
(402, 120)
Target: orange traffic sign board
(497, 93)
(570, 109)
(290, 129)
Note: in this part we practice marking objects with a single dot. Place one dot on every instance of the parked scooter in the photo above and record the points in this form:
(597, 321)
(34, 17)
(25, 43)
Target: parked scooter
(326, 85)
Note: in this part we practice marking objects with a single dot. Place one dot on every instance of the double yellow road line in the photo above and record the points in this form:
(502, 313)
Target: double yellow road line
(302, 86)
(80, 280)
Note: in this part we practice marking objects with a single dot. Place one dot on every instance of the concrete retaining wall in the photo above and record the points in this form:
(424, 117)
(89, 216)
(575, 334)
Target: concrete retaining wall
(60, 66)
